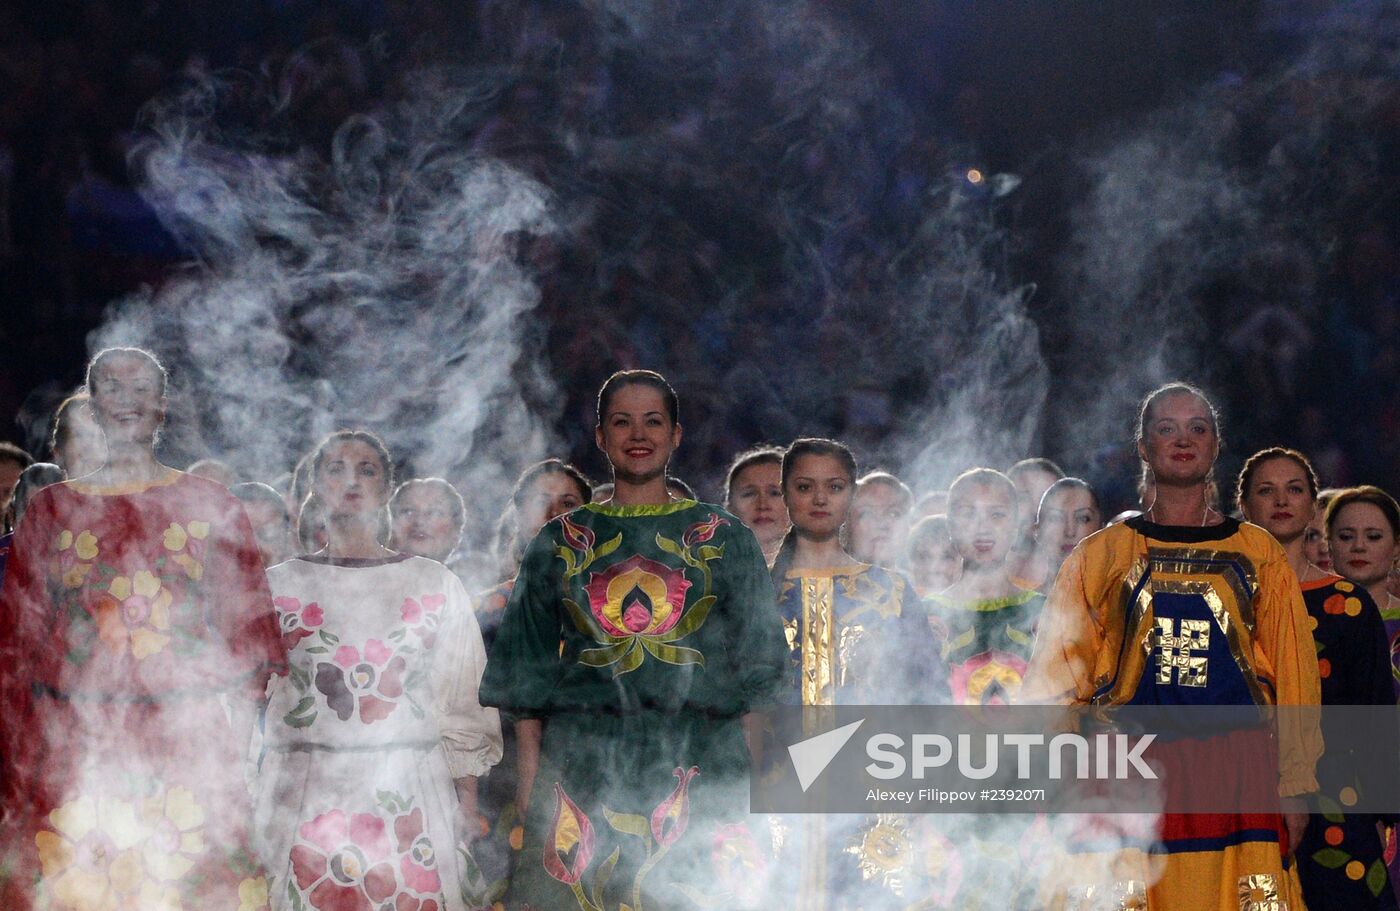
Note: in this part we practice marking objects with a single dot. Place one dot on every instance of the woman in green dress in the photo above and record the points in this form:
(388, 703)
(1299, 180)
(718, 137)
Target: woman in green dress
(639, 633)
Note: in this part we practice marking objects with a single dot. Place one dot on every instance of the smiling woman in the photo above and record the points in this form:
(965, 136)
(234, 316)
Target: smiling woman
(638, 634)
(136, 603)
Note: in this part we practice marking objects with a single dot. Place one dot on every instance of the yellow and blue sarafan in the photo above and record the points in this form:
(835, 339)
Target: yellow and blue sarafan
(1146, 614)
(1187, 606)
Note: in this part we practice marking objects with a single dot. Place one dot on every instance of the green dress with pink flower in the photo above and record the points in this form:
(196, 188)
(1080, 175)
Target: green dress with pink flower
(669, 635)
(355, 807)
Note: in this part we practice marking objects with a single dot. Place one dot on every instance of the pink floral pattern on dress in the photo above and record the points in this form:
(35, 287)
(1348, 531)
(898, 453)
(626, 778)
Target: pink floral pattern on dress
(371, 679)
(361, 862)
(297, 620)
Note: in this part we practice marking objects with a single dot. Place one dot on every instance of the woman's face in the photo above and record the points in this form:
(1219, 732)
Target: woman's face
(551, 494)
(83, 449)
(934, 563)
(1180, 443)
(982, 522)
(126, 400)
(1315, 547)
(756, 497)
(424, 523)
(879, 523)
(637, 435)
(351, 480)
(1280, 499)
(818, 495)
(1067, 517)
(1362, 543)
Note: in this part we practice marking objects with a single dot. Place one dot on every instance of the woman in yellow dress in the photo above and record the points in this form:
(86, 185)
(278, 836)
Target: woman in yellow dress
(1182, 606)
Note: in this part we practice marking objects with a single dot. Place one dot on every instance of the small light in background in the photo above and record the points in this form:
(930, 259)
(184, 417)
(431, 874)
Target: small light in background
(974, 176)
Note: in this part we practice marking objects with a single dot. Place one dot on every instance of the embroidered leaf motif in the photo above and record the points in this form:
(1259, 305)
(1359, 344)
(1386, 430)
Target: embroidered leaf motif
(630, 661)
(606, 548)
(709, 552)
(1331, 858)
(629, 823)
(585, 622)
(1017, 636)
(328, 638)
(567, 556)
(691, 621)
(302, 715)
(673, 654)
(602, 657)
(600, 879)
(671, 547)
(1375, 877)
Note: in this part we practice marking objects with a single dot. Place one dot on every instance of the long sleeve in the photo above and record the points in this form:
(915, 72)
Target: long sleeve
(24, 609)
(241, 603)
(758, 653)
(1069, 641)
(1284, 643)
(523, 666)
(471, 733)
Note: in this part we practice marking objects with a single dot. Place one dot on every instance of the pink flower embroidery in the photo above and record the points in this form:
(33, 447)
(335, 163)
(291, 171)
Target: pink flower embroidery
(578, 537)
(569, 847)
(297, 621)
(701, 532)
(637, 597)
(417, 860)
(669, 819)
(342, 863)
(372, 679)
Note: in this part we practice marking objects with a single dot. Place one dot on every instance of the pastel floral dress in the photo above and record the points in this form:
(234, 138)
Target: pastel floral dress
(134, 623)
(378, 713)
(669, 637)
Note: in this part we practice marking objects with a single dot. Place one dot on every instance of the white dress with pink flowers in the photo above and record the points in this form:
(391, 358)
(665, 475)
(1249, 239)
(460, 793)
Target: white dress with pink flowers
(355, 804)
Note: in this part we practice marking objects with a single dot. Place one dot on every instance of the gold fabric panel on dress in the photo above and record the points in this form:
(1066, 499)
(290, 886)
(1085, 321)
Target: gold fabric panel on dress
(818, 652)
(1259, 892)
(1127, 895)
(1181, 652)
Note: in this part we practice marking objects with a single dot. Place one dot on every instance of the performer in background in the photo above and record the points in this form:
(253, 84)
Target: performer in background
(857, 635)
(878, 529)
(136, 605)
(1315, 546)
(1183, 577)
(934, 563)
(1068, 513)
(1339, 857)
(633, 768)
(1363, 535)
(543, 490)
(988, 621)
(753, 491)
(426, 518)
(77, 443)
(374, 740)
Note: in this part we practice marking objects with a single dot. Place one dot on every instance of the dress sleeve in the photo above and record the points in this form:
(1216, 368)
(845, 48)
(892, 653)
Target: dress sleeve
(24, 613)
(523, 666)
(1283, 639)
(923, 671)
(1070, 637)
(471, 733)
(241, 603)
(758, 647)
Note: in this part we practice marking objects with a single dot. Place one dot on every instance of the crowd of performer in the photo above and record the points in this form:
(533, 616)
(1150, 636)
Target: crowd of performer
(222, 695)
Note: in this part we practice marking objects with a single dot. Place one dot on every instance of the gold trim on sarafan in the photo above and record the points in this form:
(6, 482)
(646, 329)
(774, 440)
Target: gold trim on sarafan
(818, 649)
(1225, 580)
